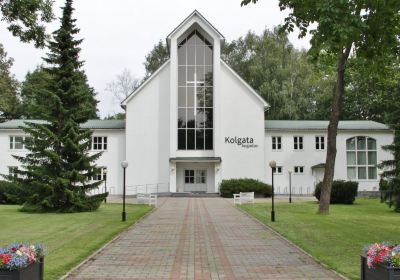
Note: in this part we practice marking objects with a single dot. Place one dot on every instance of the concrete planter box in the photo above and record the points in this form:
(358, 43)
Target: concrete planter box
(379, 272)
(32, 272)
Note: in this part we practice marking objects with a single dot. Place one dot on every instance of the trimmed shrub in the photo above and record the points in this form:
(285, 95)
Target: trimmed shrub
(231, 186)
(343, 192)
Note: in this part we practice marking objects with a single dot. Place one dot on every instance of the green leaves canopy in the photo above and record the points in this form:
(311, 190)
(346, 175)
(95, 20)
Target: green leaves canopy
(25, 18)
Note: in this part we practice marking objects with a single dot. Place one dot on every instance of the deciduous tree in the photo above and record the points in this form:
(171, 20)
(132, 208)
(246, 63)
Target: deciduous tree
(9, 86)
(123, 85)
(26, 18)
(339, 28)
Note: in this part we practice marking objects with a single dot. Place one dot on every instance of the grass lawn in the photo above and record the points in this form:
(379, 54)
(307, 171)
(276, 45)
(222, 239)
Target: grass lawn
(336, 239)
(69, 238)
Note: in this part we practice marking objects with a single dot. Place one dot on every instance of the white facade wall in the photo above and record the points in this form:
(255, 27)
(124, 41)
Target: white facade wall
(148, 134)
(111, 158)
(241, 115)
(309, 156)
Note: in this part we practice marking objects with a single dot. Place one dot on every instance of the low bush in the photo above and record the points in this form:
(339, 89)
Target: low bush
(9, 193)
(231, 186)
(343, 192)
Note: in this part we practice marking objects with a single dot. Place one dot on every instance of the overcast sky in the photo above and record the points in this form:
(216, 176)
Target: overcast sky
(119, 33)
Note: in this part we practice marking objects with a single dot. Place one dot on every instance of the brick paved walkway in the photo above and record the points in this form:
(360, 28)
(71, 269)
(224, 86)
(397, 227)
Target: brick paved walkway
(200, 238)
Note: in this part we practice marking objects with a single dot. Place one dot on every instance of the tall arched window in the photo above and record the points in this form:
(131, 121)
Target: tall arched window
(361, 158)
(195, 93)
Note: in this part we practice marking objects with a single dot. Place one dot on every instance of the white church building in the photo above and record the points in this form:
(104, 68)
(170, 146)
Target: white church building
(195, 122)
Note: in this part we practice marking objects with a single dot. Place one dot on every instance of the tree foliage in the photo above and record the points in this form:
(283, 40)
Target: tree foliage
(281, 74)
(9, 86)
(123, 85)
(39, 83)
(26, 18)
(364, 28)
(392, 118)
(57, 170)
(157, 57)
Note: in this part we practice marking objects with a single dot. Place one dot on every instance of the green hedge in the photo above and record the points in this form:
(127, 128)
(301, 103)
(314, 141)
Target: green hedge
(343, 192)
(231, 186)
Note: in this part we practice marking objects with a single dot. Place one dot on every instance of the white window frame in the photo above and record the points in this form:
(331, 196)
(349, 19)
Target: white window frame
(278, 170)
(276, 143)
(298, 170)
(297, 144)
(12, 142)
(366, 165)
(99, 145)
(320, 145)
(101, 176)
(11, 171)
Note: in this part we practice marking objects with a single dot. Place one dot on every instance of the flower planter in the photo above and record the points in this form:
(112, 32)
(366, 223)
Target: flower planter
(32, 272)
(378, 272)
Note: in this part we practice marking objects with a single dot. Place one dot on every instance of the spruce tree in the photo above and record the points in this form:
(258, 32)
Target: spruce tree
(34, 101)
(392, 167)
(56, 172)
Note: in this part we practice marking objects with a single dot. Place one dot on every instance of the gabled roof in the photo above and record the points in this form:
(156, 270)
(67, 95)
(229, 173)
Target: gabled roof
(252, 90)
(194, 13)
(90, 124)
(139, 88)
(322, 125)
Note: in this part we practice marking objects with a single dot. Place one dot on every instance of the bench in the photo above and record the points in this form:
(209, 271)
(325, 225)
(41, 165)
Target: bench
(144, 198)
(243, 197)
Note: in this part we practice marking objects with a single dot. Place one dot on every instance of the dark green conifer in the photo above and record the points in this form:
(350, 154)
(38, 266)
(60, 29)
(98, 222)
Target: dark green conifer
(57, 171)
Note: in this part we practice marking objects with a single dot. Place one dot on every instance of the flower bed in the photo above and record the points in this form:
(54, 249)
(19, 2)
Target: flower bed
(381, 261)
(22, 261)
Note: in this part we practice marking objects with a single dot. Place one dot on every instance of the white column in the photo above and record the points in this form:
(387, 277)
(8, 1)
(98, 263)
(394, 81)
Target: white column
(172, 177)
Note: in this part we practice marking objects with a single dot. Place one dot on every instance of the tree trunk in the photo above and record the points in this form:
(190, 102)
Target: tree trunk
(325, 198)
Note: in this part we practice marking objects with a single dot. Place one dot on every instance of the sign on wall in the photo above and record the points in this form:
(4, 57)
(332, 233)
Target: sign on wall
(243, 142)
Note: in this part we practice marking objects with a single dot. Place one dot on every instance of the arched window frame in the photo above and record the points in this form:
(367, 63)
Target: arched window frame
(361, 158)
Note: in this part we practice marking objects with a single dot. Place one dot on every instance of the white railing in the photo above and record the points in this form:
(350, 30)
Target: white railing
(296, 190)
(99, 190)
(133, 190)
(148, 189)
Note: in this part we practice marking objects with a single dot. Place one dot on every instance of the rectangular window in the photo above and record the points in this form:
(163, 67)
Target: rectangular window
(361, 158)
(299, 170)
(101, 175)
(189, 176)
(278, 170)
(17, 142)
(12, 171)
(99, 143)
(320, 142)
(298, 142)
(201, 176)
(276, 143)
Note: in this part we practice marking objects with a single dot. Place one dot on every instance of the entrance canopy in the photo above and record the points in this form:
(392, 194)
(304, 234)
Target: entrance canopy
(319, 165)
(195, 159)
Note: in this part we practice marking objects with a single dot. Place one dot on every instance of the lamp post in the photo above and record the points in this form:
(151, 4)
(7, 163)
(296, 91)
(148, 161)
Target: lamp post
(124, 165)
(105, 183)
(290, 186)
(381, 185)
(272, 164)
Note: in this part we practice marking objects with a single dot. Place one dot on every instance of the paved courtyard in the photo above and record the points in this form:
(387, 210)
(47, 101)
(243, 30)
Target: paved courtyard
(200, 238)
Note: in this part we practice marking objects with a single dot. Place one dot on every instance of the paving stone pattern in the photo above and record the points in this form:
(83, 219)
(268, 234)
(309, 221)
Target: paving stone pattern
(200, 238)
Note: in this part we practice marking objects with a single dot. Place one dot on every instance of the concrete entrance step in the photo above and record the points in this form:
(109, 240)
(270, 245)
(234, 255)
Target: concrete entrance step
(194, 194)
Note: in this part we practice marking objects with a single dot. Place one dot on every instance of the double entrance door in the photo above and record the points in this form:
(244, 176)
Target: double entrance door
(195, 180)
